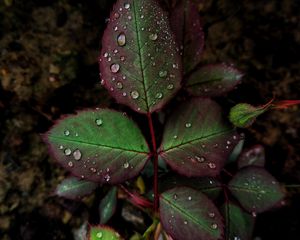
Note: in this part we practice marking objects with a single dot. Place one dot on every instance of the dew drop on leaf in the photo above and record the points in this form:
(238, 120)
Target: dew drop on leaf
(67, 133)
(121, 39)
(68, 151)
(119, 85)
(99, 122)
(153, 36)
(175, 196)
(214, 226)
(170, 86)
(212, 165)
(185, 222)
(189, 198)
(70, 164)
(159, 95)
(77, 154)
(99, 235)
(116, 15)
(107, 178)
(162, 73)
(200, 159)
(211, 215)
(105, 55)
(114, 68)
(126, 165)
(135, 94)
(188, 125)
(61, 147)
(126, 5)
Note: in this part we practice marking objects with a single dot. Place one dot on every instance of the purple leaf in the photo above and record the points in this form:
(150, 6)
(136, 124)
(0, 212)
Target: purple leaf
(139, 62)
(108, 205)
(196, 142)
(239, 224)
(74, 188)
(102, 146)
(255, 189)
(188, 214)
(213, 80)
(253, 156)
(186, 24)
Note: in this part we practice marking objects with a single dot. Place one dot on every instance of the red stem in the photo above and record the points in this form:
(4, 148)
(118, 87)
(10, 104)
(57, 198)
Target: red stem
(155, 162)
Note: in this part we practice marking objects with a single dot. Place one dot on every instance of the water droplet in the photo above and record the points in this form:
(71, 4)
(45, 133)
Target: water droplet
(68, 151)
(211, 215)
(126, 5)
(212, 165)
(200, 159)
(135, 94)
(107, 178)
(116, 15)
(105, 55)
(175, 136)
(153, 36)
(254, 214)
(122, 58)
(98, 122)
(228, 142)
(116, 29)
(162, 73)
(126, 165)
(61, 147)
(159, 95)
(214, 226)
(124, 94)
(99, 235)
(77, 154)
(175, 196)
(114, 67)
(170, 86)
(67, 133)
(129, 17)
(121, 39)
(185, 222)
(188, 125)
(119, 85)
(70, 164)
(94, 170)
(189, 198)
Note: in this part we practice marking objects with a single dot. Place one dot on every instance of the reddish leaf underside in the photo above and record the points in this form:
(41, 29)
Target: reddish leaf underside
(74, 188)
(254, 156)
(99, 145)
(186, 24)
(213, 80)
(140, 64)
(196, 142)
(256, 189)
(239, 224)
(188, 214)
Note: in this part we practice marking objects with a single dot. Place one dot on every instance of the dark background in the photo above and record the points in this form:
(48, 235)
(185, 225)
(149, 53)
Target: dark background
(48, 67)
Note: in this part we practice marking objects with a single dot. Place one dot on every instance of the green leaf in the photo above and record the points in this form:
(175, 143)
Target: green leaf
(254, 156)
(211, 187)
(108, 205)
(188, 214)
(243, 115)
(239, 224)
(103, 233)
(74, 188)
(196, 142)
(99, 145)
(256, 189)
(213, 80)
(139, 62)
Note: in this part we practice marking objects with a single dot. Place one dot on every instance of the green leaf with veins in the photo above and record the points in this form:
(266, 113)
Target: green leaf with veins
(99, 145)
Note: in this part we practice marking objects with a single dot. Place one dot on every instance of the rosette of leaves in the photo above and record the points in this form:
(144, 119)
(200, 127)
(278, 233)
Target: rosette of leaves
(146, 58)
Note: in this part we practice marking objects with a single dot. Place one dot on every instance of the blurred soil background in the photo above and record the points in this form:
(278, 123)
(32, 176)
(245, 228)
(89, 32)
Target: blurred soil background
(48, 67)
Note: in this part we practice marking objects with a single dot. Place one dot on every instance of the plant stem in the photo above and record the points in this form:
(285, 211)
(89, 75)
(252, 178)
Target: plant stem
(155, 162)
